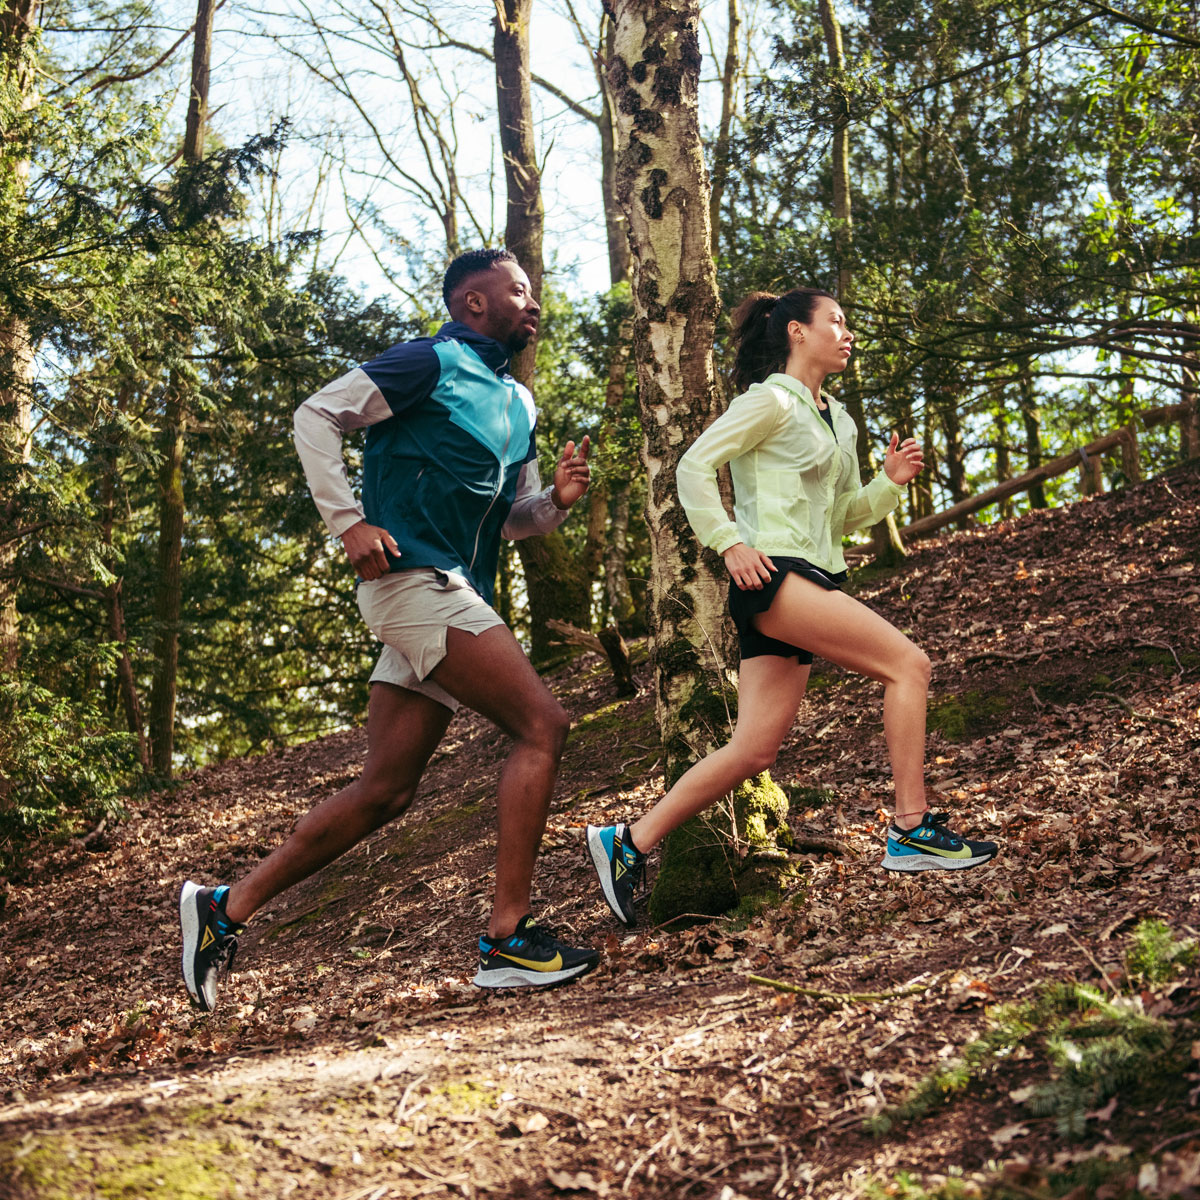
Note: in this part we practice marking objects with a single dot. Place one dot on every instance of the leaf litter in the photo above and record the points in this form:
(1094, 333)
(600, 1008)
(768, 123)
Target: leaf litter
(350, 1057)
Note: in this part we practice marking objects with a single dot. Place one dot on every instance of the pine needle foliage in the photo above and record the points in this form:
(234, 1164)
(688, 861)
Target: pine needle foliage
(1094, 1046)
(1155, 955)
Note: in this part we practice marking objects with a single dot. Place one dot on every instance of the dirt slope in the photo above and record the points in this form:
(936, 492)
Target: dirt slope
(351, 1058)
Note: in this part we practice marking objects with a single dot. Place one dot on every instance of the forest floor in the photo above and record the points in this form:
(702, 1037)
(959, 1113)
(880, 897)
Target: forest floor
(350, 1057)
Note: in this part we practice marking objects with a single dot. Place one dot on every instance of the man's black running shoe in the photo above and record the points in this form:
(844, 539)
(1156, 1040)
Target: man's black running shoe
(620, 865)
(209, 942)
(531, 956)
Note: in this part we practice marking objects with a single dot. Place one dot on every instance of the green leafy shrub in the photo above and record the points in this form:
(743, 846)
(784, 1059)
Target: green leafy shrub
(59, 761)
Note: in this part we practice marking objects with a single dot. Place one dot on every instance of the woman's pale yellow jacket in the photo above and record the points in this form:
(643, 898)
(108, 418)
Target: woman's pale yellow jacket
(796, 484)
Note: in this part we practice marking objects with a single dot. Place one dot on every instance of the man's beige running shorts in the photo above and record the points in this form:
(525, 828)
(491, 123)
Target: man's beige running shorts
(410, 611)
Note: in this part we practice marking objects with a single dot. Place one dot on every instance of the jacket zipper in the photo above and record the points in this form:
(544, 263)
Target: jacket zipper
(499, 479)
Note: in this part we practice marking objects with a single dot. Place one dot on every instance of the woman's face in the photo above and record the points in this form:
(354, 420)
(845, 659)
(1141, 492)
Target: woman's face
(824, 342)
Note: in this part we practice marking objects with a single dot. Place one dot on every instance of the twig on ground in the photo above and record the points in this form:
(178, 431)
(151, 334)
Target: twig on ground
(844, 997)
(1133, 712)
(649, 1154)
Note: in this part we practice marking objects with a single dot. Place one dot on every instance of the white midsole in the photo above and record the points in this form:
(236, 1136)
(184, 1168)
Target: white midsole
(927, 862)
(191, 934)
(515, 977)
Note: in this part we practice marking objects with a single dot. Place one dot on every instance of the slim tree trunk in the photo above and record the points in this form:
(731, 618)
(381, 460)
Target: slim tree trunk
(1031, 420)
(722, 149)
(551, 575)
(884, 536)
(18, 21)
(170, 477)
(525, 212)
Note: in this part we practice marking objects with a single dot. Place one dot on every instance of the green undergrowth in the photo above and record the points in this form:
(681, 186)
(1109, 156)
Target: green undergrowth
(128, 1167)
(1089, 1046)
(1092, 1177)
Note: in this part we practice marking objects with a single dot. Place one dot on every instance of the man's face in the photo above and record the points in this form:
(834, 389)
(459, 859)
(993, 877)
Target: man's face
(501, 305)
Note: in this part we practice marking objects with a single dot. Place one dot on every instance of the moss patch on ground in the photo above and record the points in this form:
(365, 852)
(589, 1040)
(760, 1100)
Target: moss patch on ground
(136, 1164)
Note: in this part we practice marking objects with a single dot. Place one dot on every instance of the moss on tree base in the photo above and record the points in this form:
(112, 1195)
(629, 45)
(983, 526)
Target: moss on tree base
(722, 859)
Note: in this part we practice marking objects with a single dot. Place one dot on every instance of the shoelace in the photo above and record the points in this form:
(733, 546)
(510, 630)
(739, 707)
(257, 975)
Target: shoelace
(939, 820)
(225, 953)
(637, 873)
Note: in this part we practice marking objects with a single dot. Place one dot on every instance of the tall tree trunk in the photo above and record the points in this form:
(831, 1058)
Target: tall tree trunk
(1031, 420)
(662, 185)
(525, 212)
(722, 149)
(884, 536)
(1189, 394)
(552, 577)
(18, 21)
(170, 477)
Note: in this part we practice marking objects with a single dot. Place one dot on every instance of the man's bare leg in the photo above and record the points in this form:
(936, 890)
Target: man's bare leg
(490, 674)
(403, 730)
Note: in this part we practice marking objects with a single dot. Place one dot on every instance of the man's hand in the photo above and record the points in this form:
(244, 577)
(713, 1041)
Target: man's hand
(750, 568)
(572, 475)
(903, 461)
(364, 545)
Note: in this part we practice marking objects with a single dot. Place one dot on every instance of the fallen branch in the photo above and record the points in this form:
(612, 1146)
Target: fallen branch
(844, 997)
(1133, 712)
(608, 642)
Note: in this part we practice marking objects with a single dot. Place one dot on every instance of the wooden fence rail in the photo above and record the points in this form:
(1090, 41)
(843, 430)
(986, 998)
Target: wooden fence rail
(1126, 438)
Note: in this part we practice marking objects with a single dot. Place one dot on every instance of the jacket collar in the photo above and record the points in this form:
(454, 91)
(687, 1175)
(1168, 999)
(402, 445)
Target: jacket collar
(797, 388)
(494, 354)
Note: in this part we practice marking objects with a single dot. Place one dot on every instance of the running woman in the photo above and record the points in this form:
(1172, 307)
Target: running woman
(450, 467)
(791, 451)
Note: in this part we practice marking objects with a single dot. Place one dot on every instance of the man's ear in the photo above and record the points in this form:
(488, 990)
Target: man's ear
(474, 301)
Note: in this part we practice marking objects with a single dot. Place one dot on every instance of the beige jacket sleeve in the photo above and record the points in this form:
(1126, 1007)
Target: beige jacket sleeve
(750, 419)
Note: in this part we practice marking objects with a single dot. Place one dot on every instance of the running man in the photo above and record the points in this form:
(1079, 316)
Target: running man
(450, 467)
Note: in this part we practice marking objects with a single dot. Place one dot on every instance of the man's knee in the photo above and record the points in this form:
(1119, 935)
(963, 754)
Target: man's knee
(384, 800)
(547, 726)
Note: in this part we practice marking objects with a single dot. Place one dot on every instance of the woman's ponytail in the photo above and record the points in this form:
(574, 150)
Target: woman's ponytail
(758, 331)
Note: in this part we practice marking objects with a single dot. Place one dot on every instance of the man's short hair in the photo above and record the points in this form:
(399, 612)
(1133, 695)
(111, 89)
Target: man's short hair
(473, 262)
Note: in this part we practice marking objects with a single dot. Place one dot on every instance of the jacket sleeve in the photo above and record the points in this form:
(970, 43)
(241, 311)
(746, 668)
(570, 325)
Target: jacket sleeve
(351, 402)
(750, 419)
(872, 503)
(532, 510)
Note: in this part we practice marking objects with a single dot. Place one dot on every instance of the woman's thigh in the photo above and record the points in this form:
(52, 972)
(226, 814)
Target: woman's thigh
(840, 629)
(769, 693)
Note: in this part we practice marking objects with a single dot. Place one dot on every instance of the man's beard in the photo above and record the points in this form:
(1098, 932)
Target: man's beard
(518, 340)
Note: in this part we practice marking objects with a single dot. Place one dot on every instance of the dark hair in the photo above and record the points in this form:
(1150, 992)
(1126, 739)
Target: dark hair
(473, 262)
(759, 331)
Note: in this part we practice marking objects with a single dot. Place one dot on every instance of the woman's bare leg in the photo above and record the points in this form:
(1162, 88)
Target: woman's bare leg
(839, 628)
(769, 693)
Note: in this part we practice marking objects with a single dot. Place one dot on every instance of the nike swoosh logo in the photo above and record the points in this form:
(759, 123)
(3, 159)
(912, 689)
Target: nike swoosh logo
(961, 852)
(553, 964)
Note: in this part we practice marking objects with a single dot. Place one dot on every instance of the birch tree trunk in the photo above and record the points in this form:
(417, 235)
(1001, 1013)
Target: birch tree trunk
(663, 187)
(171, 512)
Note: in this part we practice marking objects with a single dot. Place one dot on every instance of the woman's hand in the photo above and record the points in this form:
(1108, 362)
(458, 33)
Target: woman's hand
(750, 568)
(904, 461)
